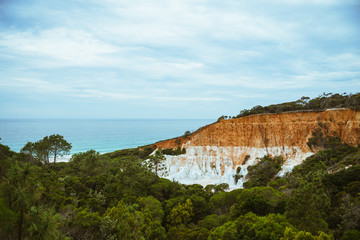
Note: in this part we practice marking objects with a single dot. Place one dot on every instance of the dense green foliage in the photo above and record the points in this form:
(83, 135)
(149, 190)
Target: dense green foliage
(170, 151)
(324, 101)
(53, 145)
(119, 196)
(141, 153)
(264, 171)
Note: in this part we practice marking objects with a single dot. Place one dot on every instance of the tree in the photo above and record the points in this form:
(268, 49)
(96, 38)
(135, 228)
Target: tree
(226, 231)
(222, 201)
(351, 213)
(187, 134)
(44, 223)
(50, 145)
(291, 234)
(350, 235)
(87, 163)
(181, 214)
(308, 207)
(59, 146)
(211, 221)
(120, 215)
(129, 223)
(21, 192)
(152, 206)
(265, 170)
(259, 200)
(253, 227)
(156, 161)
(7, 219)
(39, 150)
(153, 215)
(163, 189)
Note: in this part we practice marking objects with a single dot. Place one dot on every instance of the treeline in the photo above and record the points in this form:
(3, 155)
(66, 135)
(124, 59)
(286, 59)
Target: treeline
(119, 196)
(324, 101)
(50, 146)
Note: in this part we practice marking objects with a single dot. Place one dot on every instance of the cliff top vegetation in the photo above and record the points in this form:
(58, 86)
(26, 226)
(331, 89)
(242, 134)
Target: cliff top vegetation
(320, 103)
(119, 196)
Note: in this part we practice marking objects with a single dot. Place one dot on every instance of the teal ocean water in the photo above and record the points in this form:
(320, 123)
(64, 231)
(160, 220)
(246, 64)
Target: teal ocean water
(100, 135)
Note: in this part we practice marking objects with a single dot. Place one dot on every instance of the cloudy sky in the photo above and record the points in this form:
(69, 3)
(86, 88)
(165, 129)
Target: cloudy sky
(172, 58)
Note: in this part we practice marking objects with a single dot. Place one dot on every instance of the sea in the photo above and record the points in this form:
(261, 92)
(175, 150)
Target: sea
(105, 135)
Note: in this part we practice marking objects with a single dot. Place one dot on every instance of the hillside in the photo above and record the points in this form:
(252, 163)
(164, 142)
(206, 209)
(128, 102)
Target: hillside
(215, 152)
(120, 196)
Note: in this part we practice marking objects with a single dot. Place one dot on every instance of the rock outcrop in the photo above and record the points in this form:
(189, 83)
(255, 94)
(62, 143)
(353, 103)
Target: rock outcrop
(216, 152)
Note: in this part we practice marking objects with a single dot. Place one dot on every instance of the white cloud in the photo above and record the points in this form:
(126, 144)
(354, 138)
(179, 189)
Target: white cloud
(123, 96)
(345, 60)
(71, 47)
(39, 86)
(319, 2)
(188, 22)
(178, 51)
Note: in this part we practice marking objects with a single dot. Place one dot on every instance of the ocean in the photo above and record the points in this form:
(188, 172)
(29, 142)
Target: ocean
(101, 135)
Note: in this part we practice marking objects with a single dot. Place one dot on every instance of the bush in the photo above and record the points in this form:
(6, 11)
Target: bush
(170, 151)
(265, 170)
(324, 101)
(350, 235)
(259, 200)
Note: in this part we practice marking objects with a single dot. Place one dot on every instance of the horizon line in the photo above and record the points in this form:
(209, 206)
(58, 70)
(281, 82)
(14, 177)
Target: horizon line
(107, 119)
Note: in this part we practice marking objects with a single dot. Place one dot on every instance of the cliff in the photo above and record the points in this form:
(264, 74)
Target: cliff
(215, 152)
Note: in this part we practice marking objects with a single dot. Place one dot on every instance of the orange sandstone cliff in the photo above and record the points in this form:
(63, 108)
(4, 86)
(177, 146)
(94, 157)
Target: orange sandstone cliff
(214, 152)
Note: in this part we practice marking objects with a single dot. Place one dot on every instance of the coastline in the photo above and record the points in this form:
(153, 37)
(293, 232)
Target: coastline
(103, 136)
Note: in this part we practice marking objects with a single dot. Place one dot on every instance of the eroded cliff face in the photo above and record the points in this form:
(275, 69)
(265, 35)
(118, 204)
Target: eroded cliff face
(215, 153)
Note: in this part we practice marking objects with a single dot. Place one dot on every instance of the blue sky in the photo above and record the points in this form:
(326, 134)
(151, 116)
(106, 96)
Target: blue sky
(172, 59)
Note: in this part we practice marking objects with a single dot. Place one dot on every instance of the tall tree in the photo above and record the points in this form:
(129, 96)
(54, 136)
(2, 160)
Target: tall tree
(59, 146)
(50, 145)
(157, 161)
(308, 207)
(40, 150)
(43, 223)
(21, 192)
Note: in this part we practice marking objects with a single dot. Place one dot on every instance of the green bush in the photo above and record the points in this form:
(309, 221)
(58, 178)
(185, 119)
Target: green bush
(324, 101)
(264, 171)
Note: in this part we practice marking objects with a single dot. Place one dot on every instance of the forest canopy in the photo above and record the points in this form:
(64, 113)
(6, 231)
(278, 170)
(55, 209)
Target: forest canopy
(120, 196)
(322, 102)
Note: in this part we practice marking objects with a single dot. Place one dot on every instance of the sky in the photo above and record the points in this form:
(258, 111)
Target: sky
(172, 59)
